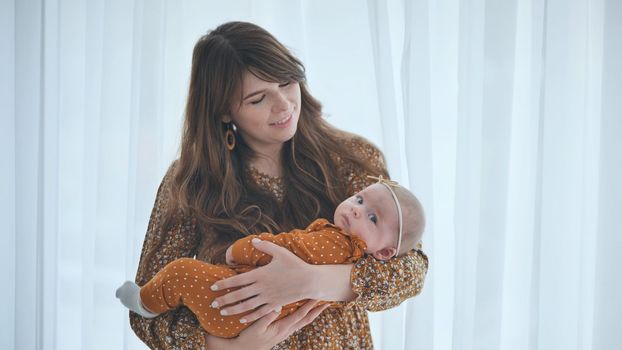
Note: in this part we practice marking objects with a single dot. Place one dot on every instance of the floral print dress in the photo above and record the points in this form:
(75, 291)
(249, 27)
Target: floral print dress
(380, 285)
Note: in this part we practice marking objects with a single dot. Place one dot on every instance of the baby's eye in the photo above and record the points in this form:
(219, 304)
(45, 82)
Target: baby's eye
(373, 218)
(359, 199)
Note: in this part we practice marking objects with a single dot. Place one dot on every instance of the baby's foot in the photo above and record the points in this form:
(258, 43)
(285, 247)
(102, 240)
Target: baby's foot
(129, 294)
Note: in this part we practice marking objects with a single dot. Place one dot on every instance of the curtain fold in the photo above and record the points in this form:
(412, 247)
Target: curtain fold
(503, 117)
(7, 178)
(607, 304)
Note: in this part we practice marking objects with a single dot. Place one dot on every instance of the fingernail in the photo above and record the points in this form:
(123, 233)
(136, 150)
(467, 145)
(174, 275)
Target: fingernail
(278, 309)
(224, 312)
(214, 304)
(242, 320)
(214, 287)
(256, 240)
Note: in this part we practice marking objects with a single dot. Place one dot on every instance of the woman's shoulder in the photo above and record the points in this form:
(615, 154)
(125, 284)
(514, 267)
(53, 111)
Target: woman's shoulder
(364, 159)
(164, 193)
(171, 168)
(169, 174)
(362, 148)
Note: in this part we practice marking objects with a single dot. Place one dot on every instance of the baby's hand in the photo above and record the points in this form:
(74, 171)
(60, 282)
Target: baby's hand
(229, 256)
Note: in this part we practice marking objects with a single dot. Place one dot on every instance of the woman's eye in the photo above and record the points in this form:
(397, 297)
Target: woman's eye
(285, 84)
(257, 101)
(359, 199)
(373, 218)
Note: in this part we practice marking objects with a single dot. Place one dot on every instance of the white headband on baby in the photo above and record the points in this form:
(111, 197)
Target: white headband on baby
(389, 184)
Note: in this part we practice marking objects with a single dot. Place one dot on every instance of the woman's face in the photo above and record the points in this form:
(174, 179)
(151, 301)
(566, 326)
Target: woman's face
(268, 114)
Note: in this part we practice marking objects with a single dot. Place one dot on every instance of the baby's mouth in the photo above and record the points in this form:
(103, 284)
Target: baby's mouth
(346, 220)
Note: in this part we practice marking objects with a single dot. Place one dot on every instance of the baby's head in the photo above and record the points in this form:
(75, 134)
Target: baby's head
(372, 214)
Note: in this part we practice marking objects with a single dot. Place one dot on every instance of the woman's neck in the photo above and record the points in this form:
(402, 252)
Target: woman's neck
(268, 163)
(268, 167)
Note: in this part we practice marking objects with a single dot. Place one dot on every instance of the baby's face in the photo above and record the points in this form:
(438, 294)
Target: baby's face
(372, 215)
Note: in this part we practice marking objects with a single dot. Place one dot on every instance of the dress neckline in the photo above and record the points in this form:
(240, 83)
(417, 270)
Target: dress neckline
(259, 174)
(273, 184)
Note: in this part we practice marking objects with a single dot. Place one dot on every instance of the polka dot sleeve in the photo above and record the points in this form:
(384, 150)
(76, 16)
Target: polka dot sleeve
(177, 329)
(320, 243)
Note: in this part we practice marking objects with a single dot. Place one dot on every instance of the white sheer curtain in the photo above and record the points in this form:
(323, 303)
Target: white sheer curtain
(503, 116)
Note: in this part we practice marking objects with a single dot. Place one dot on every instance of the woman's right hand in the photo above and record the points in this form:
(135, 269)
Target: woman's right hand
(266, 333)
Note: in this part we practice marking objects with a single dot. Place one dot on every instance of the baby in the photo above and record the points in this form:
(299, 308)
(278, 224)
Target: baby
(383, 220)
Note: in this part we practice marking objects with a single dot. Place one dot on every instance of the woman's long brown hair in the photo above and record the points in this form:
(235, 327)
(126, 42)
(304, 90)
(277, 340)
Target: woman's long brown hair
(210, 182)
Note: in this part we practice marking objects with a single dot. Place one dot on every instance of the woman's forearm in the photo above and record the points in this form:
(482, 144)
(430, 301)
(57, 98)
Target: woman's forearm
(216, 343)
(331, 283)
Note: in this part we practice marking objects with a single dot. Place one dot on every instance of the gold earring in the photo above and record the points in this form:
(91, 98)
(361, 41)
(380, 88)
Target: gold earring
(230, 137)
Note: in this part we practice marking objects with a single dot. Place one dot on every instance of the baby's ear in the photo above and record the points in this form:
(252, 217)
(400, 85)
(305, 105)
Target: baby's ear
(385, 253)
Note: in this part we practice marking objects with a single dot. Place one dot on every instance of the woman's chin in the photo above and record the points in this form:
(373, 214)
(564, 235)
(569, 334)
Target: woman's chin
(289, 135)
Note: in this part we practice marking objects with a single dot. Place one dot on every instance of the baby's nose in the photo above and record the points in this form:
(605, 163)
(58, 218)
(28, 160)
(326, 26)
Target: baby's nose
(356, 212)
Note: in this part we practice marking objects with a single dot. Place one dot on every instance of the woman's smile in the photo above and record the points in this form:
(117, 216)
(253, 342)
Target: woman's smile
(283, 123)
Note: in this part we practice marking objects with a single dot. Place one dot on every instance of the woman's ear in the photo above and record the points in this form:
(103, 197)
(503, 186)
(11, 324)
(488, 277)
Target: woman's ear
(385, 253)
(226, 118)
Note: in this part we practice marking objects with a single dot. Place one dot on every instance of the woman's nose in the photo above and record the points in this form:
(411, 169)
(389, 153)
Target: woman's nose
(280, 103)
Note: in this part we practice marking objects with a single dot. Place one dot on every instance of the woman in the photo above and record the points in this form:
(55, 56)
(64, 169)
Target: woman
(256, 156)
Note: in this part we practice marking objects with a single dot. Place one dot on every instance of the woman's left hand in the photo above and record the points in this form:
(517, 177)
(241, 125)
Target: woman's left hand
(284, 280)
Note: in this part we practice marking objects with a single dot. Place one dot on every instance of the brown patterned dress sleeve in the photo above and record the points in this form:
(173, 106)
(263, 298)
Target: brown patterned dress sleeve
(381, 285)
(177, 329)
